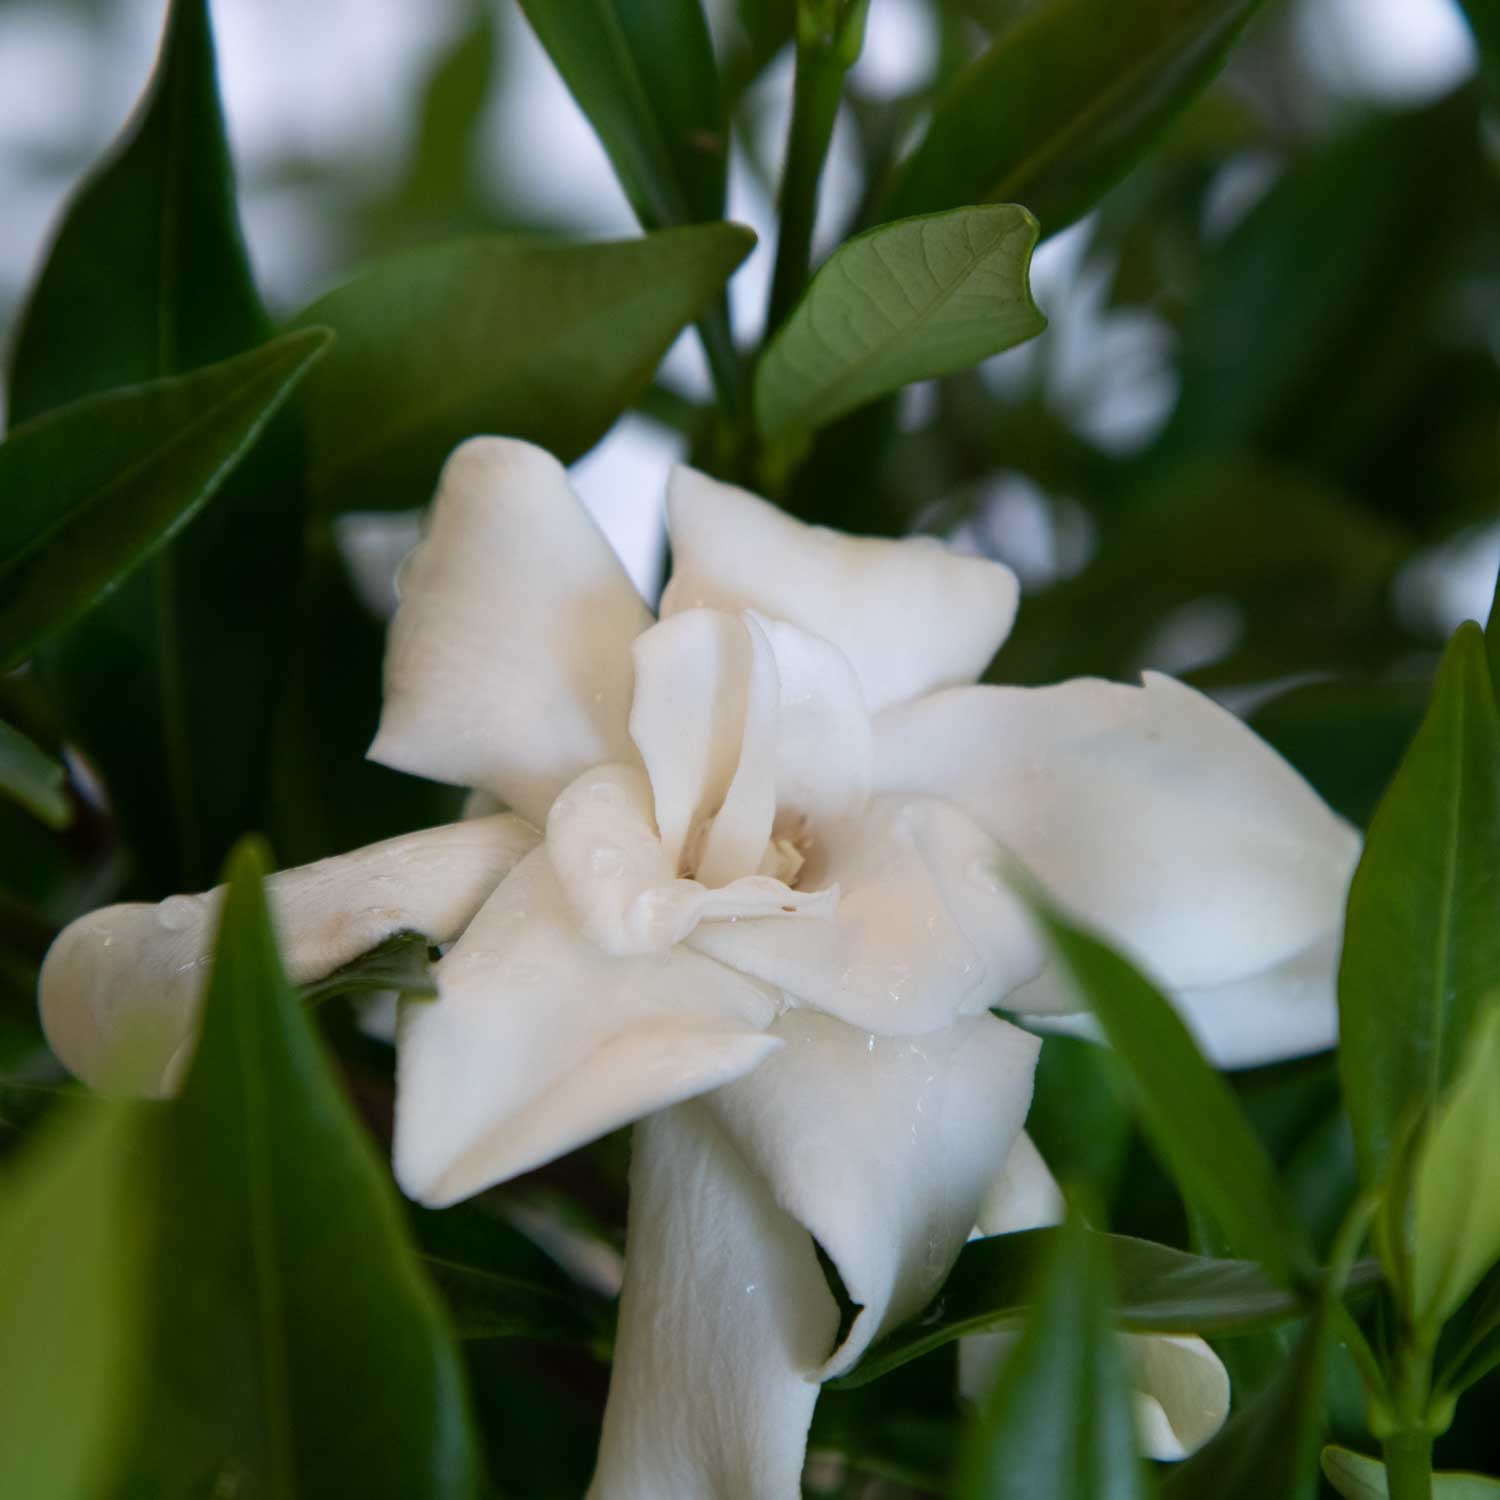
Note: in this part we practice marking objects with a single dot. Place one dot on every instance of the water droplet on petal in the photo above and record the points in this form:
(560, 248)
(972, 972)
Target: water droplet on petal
(606, 859)
(176, 913)
(985, 873)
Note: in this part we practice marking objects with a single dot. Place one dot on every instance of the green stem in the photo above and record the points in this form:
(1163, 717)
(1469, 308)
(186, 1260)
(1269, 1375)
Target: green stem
(724, 363)
(1408, 1445)
(1408, 1465)
(815, 102)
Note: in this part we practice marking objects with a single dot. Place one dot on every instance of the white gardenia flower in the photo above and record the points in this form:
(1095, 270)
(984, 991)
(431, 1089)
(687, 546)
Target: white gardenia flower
(746, 894)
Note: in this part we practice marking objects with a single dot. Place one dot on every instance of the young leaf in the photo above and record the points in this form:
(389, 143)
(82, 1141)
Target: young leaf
(1421, 946)
(1357, 1477)
(94, 489)
(1188, 1111)
(1064, 102)
(1455, 1202)
(402, 963)
(643, 72)
(1068, 1361)
(496, 334)
(70, 1300)
(1157, 1290)
(297, 1349)
(147, 278)
(908, 301)
(30, 777)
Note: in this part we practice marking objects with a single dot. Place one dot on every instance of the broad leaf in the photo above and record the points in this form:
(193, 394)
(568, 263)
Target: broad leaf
(1187, 1109)
(297, 1349)
(70, 1305)
(496, 334)
(1422, 947)
(909, 301)
(1357, 1477)
(94, 489)
(29, 776)
(1068, 1361)
(643, 72)
(146, 278)
(1157, 1290)
(1064, 102)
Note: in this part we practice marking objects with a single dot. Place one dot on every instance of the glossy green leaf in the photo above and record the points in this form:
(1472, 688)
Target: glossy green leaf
(1067, 1360)
(1357, 1477)
(1454, 1225)
(70, 1304)
(643, 72)
(909, 301)
(1063, 103)
(497, 334)
(1422, 947)
(297, 1349)
(1187, 1109)
(29, 776)
(94, 489)
(1157, 1290)
(402, 963)
(485, 1304)
(169, 687)
(1270, 1445)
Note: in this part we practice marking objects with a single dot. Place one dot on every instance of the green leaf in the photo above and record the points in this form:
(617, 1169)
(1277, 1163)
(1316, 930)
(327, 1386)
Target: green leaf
(1187, 1109)
(402, 963)
(496, 334)
(1455, 1202)
(1064, 102)
(1484, 22)
(643, 72)
(70, 1304)
(29, 776)
(485, 1304)
(297, 1348)
(1157, 1290)
(1270, 1446)
(908, 301)
(1357, 1477)
(94, 489)
(169, 687)
(1068, 1361)
(1421, 946)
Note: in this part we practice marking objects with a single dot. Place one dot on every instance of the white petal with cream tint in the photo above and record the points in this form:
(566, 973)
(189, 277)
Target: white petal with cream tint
(910, 615)
(120, 988)
(724, 1321)
(882, 1147)
(539, 1042)
(508, 663)
(1150, 812)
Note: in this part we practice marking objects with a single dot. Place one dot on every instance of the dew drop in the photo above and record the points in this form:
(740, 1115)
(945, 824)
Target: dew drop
(176, 913)
(985, 874)
(606, 792)
(606, 859)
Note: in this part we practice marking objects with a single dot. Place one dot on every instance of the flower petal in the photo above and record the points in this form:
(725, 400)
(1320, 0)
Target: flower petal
(538, 1042)
(613, 870)
(1181, 1386)
(508, 662)
(1151, 812)
(724, 1319)
(882, 1147)
(1288, 1010)
(120, 988)
(910, 615)
(922, 932)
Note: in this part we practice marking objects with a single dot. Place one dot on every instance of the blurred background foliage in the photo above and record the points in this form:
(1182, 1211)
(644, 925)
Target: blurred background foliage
(1259, 447)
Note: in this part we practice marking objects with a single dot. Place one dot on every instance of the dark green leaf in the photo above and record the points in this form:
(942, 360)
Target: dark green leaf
(1187, 1109)
(169, 687)
(1157, 1290)
(1067, 1361)
(1064, 102)
(643, 72)
(1484, 22)
(402, 963)
(486, 1304)
(1422, 947)
(1357, 1477)
(496, 334)
(30, 776)
(1270, 1446)
(94, 489)
(910, 301)
(70, 1305)
(297, 1349)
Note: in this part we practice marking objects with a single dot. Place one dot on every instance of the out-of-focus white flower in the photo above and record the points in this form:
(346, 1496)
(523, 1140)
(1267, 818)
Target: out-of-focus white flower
(747, 895)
